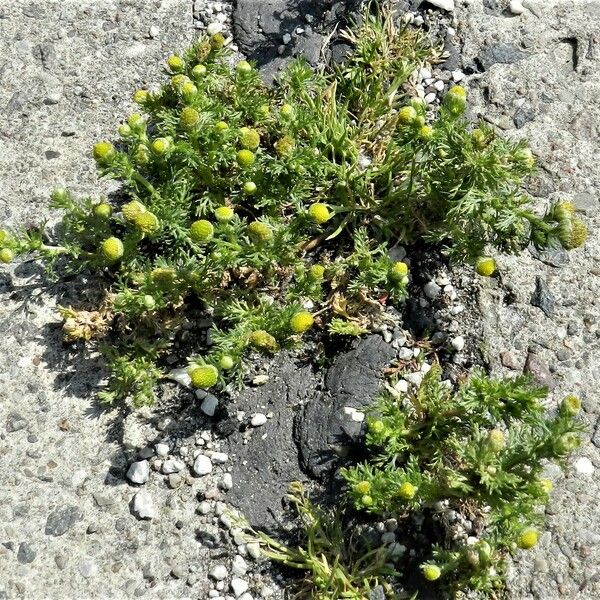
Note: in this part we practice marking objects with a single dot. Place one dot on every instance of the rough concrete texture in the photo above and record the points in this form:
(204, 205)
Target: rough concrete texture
(67, 70)
(538, 75)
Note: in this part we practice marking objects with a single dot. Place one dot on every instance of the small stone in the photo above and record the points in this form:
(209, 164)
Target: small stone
(432, 290)
(202, 465)
(239, 586)
(239, 566)
(253, 549)
(161, 449)
(177, 572)
(153, 31)
(260, 380)
(88, 568)
(542, 297)
(457, 76)
(61, 520)
(443, 4)
(458, 343)
(227, 482)
(584, 466)
(209, 405)
(516, 7)
(15, 422)
(175, 480)
(286, 38)
(508, 360)
(92, 528)
(139, 471)
(219, 458)
(143, 507)
(203, 508)
(388, 537)
(214, 28)
(523, 115)
(258, 420)
(172, 465)
(539, 370)
(26, 554)
(218, 572)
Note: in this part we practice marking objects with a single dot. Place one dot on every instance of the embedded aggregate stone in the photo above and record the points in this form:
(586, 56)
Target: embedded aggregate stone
(61, 520)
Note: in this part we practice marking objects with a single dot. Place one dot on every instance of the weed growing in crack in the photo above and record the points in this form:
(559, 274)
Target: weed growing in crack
(272, 210)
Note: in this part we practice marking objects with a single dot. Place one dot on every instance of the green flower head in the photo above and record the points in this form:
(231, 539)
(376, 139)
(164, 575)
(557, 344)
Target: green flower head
(249, 138)
(571, 405)
(259, 231)
(407, 115)
(362, 487)
(243, 67)
(485, 266)
(224, 214)
(302, 321)
(131, 210)
(175, 63)
(431, 572)
(198, 72)
(245, 158)
(285, 145)
(147, 222)
(6, 255)
(102, 210)
(528, 538)
(263, 340)
(201, 231)
(204, 377)
(407, 491)
(189, 117)
(112, 249)
(217, 41)
(319, 213)
(141, 96)
(103, 151)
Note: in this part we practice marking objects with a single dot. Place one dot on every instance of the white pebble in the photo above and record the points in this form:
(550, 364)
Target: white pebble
(181, 376)
(443, 4)
(239, 566)
(401, 386)
(584, 466)
(219, 458)
(219, 572)
(405, 353)
(154, 31)
(458, 343)
(204, 507)
(162, 449)
(214, 28)
(457, 76)
(239, 586)
(253, 549)
(358, 416)
(172, 465)
(432, 290)
(260, 380)
(227, 482)
(439, 85)
(287, 38)
(209, 405)
(516, 7)
(258, 419)
(143, 506)
(139, 471)
(202, 465)
(414, 378)
(419, 20)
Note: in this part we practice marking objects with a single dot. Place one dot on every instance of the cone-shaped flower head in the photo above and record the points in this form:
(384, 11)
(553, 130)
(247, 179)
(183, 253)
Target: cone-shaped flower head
(6, 255)
(103, 151)
(102, 210)
(245, 158)
(398, 271)
(362, 487)
(189, 117)
(243, 67)
(263, 341)
(528, 538)
(407, 115)
(495, 440)
(132, 209)
(485, 266)
(141, 96)
(204, 377)
(302, 321)
(319, 213)
(226, 362)
(407, 491)
(259, 231)
(316, 272)
(431, 572)
(249, 138)
(201, 231)
(112, 249)
(224, 214)
(285, 145)
(198, 72)
(175, 63)
(571, 405)
(147, 222)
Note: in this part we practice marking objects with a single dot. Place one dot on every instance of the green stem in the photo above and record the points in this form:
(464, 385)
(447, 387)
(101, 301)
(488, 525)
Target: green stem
(144, 182)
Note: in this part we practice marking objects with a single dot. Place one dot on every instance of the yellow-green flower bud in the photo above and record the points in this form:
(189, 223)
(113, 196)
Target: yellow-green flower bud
(376, 426)
(528, 538)
(319, 213)
(224, 214)
(264, 110)
(160, 145)
(124, 130)
(259, 231)
(188, 91)
(6, 255)
(250, 188)
(103, 151)
(221, 126)
(407, 491)
(426, 132)
(458, 91)
(570, 405)
(546, 485)
(566, 443)
(495, 440)
(245, 158)
(132, 209)
(316, 272)
(407, 115)
(178, 81)
(525, 157)
(136, 122)
(142, 155)
(204, 377)
(302, 321)
(175, 63)
(485, 552)
(284, 145)
(574, 236)
(366, 500)
(102, 210)
(141, 96)
(485, 266)
(4, 235)
(149, 302)
(112, 249)
(456, 99)
(147, 222)
(263, 341)
(431, 572)
(243, 67)
(163, 277)
(217, 41)
(201, 231)
(478, 137)
(189, 117)
(226, 362)
(399, 271)
(287, 111)
(199, 71)
(362, 487)
(249, 138)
